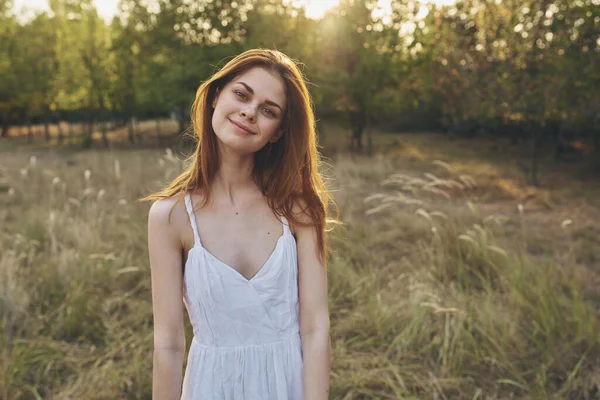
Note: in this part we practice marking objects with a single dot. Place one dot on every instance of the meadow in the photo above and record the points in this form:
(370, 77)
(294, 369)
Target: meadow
(450, 278)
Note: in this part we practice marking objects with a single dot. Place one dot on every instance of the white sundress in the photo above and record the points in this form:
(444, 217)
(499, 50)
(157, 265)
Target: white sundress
(246, 343)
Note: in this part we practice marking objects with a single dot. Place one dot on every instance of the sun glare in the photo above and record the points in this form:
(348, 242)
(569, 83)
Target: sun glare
(315, 8)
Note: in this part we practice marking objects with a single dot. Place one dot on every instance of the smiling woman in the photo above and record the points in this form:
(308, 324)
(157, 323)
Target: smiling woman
(257, 301)
(260, 114)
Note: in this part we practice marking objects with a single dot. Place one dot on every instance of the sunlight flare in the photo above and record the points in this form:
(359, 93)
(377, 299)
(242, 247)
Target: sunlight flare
(315, 8)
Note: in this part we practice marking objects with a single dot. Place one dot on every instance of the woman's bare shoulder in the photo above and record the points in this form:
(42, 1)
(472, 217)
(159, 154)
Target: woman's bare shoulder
(301, 213)
(300, 210)
(168, 213)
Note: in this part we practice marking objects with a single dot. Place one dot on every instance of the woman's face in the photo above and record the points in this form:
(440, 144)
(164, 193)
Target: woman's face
(248, 111)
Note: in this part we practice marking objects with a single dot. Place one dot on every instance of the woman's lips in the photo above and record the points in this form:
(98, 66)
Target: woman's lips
(241, 127)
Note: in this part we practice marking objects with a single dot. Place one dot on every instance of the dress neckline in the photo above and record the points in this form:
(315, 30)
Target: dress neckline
(198, 244)
(260, 270)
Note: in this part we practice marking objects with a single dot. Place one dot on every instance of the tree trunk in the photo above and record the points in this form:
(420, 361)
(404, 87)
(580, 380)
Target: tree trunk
(61, 135)
(131, 130)
(46, 131)
(104, 135)
(596, 144)
(69, 131)
(158, 135)
(29, 132)
(5, 126)
(357, 127)
(534, 156)
(181, 122)
(358, 135)
(88, 135)
(514, 138)
(369, 141)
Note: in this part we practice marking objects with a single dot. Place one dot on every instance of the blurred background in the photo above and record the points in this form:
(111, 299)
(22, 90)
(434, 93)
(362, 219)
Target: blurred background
(461, 142)
(524, 70)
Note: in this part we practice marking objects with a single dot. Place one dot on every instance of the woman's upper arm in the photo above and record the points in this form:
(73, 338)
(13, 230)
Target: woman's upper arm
(164, 249)
(312, 281)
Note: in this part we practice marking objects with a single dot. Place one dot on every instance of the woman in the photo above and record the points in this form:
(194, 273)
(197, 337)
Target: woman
(246, 247)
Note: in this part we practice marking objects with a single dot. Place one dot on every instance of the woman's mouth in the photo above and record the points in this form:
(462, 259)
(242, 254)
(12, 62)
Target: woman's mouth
(241, 128)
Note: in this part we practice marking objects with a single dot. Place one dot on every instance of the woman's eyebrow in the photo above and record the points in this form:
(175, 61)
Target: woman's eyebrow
(248, 88)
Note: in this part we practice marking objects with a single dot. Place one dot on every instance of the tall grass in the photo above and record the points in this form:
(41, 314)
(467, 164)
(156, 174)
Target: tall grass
(463, 311)
(430, 295)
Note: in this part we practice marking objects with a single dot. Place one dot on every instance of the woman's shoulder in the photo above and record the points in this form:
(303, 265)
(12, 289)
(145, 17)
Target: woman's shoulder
(300, 208)
(301, 213)
(168, 212)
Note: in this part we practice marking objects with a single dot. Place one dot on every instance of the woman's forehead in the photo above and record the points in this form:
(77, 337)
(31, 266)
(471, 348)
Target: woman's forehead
(263, 83)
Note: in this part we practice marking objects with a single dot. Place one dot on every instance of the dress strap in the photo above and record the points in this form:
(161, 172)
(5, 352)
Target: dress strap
(190, 211)
(286, 226)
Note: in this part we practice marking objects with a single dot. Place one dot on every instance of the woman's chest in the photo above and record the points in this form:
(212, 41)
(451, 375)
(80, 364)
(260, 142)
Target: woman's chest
(242, 239)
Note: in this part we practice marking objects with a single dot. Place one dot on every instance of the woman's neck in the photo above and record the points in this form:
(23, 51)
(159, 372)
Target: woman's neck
(234, 178)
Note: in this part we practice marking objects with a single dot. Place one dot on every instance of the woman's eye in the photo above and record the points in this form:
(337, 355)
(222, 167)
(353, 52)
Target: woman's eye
(242, 95)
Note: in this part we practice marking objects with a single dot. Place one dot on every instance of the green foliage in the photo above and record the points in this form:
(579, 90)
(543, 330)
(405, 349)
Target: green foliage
(526, 70)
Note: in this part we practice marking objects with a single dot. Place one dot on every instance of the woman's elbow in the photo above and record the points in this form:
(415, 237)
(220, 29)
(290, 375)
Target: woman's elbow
(170, 343)
(316, 325)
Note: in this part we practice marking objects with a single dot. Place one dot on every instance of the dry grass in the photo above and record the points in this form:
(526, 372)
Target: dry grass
(441, 286)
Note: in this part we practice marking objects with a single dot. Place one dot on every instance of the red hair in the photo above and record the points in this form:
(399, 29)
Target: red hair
(288, 174)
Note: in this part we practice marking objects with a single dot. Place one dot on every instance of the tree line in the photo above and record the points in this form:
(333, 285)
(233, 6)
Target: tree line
(524, 69)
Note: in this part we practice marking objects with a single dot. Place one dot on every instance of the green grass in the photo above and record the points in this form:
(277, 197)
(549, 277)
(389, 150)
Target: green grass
(440, 285)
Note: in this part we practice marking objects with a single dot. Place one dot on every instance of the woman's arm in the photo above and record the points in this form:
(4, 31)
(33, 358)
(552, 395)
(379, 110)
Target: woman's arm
(164, 248)
(314, 316)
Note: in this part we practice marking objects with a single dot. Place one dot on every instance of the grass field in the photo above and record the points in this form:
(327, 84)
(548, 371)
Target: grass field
(450, 278)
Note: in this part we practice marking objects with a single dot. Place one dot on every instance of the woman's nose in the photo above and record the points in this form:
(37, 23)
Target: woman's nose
(248, 112)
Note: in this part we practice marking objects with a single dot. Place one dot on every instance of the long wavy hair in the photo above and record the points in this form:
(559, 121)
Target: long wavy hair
(288, 171)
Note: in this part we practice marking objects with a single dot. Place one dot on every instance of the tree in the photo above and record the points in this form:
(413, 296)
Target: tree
(511, 65)
(357, 58)
(8, 87)
(82, 51)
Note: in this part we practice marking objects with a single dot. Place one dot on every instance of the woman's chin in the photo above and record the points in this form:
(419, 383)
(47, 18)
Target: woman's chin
(237, 146)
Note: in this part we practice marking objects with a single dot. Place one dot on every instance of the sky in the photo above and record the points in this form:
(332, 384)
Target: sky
(108, 8)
